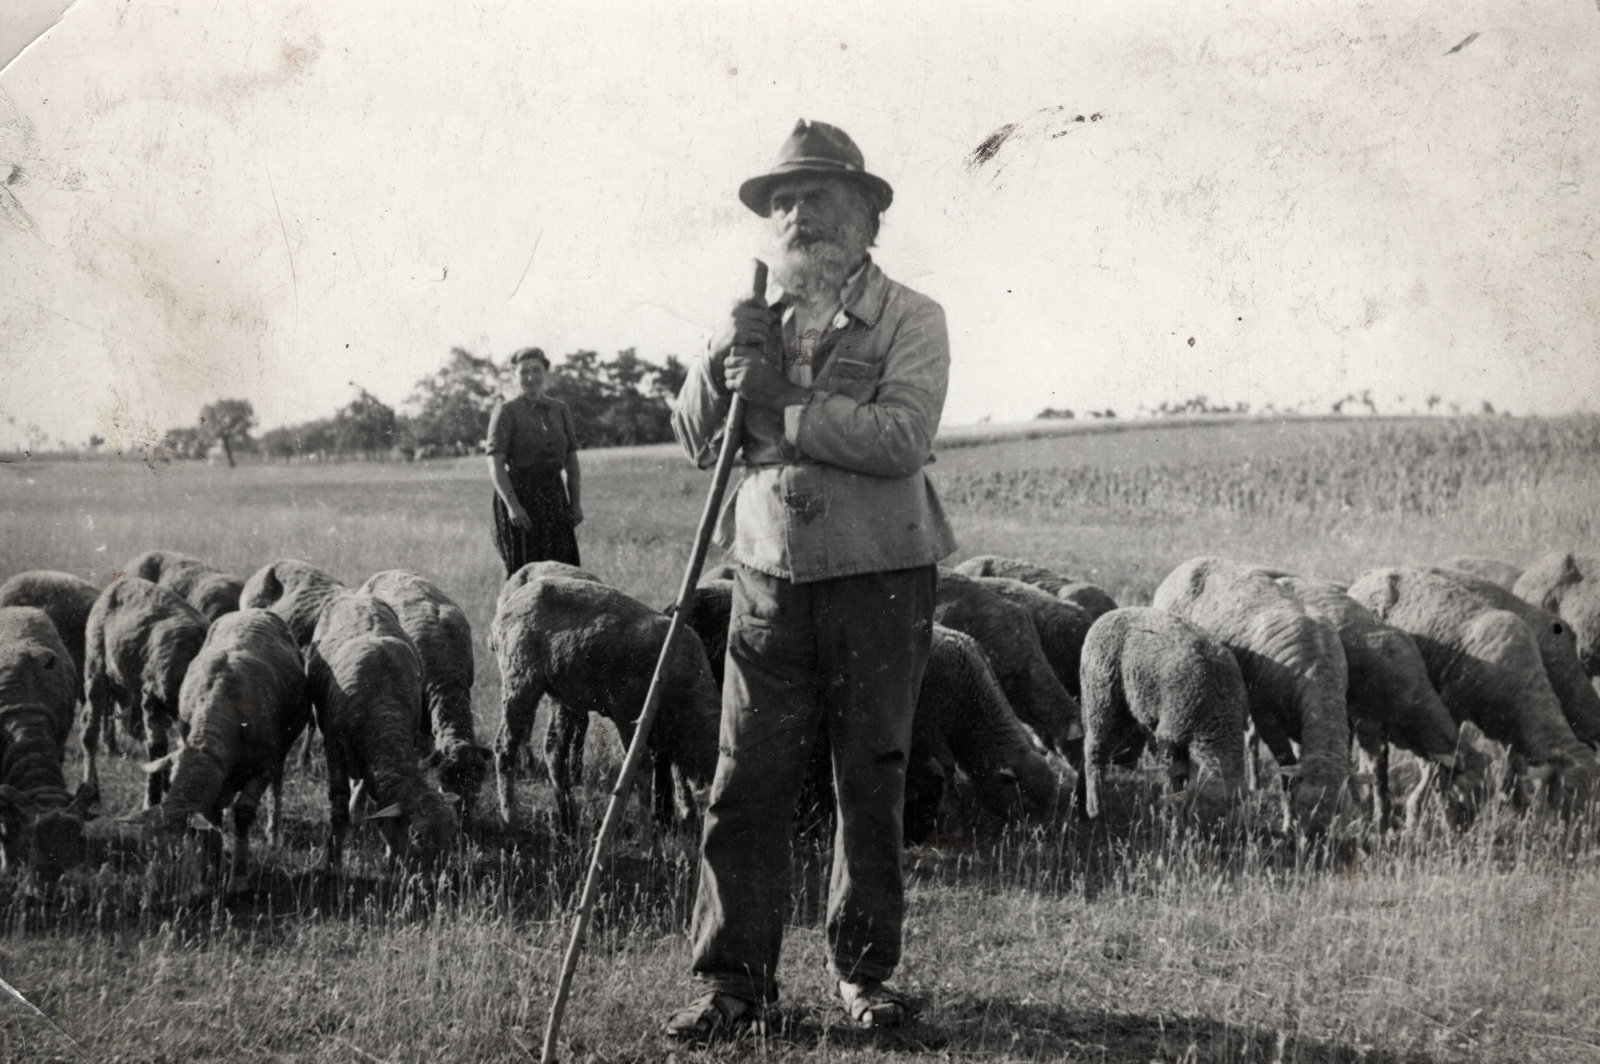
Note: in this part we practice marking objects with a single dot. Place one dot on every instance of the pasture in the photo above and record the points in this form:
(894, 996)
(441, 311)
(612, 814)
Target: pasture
(1138, 942)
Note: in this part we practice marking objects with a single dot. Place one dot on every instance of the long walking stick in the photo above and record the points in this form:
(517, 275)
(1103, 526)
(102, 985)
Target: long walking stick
(641, 731)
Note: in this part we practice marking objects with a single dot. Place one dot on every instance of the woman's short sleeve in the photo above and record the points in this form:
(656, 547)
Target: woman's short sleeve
(499, 437)
(568, 428)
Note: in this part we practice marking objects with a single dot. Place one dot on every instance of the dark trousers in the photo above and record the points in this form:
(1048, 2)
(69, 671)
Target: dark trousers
(849, 652)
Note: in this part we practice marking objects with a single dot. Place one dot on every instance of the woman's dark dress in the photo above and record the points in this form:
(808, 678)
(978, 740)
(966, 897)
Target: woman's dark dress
(535, 435)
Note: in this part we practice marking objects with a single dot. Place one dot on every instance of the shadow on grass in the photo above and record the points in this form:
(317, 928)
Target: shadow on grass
(1004, 1030)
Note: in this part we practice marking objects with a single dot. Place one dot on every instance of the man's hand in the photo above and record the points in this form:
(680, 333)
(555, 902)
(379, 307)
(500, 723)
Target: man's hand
(750, 323)
(750, 373)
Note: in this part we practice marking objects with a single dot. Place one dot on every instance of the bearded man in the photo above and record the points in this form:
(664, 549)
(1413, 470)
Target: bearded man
(835, 529)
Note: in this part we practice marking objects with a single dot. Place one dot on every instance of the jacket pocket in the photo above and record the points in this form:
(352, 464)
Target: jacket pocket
(852, 377)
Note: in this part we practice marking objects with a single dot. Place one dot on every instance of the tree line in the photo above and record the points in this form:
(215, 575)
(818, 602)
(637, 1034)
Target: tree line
(617, 402)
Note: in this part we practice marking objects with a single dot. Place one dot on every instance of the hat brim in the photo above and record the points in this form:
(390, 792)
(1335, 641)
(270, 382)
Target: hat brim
(756, 193)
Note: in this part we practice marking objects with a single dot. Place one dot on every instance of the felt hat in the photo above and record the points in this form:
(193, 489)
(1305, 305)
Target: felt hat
(815, 149)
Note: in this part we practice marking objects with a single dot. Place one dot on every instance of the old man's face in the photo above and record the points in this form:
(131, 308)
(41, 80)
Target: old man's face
(821, 228)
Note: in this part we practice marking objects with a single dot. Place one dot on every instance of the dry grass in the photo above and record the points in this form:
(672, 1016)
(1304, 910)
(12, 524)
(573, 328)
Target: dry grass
(1134, 942)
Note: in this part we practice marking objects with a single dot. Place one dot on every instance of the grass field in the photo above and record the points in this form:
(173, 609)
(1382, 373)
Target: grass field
(1138, 942)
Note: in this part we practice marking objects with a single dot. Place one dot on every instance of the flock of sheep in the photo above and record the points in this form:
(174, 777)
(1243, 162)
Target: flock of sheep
(1026, 663)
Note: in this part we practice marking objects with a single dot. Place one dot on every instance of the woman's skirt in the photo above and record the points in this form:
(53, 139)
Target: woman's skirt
(551, 536)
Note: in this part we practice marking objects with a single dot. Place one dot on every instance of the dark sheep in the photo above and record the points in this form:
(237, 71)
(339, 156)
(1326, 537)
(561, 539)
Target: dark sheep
(592, 648)
(1566, 584)
(365, 681)
(1095, 600)
(243, 704)
(294, 590)
(1151, 678)
(1486, 664)
(1061, 625)
(139, 642)
(964, 721)
(443, 639)
(41, 824)
(1084, 595)
(1009, 639)
(1293, 667)
(1391, 699)
(200, 584)
(67, 599)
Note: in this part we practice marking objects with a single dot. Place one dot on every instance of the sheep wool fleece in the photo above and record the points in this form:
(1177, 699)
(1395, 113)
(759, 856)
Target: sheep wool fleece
(850, 652)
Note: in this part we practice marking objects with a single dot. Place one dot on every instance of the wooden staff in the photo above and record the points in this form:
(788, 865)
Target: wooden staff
(652, 699)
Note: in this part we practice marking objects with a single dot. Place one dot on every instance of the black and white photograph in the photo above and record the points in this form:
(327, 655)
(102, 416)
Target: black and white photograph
(623, 531)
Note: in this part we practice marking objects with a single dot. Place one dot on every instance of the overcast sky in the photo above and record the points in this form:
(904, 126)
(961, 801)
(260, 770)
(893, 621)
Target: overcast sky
(278, 201)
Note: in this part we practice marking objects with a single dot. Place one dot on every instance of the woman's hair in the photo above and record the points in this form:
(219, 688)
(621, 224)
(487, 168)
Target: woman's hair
(530, 352)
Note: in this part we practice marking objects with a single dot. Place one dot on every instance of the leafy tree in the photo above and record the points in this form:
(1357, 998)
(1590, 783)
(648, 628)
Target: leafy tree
(365, 425)
(453, 403)
(185, 442)
(227, 420)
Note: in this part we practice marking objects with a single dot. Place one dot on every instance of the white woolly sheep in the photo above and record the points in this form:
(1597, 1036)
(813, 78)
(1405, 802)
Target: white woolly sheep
(593, 648)
(139, 642)
(242, 705)
(1061, 625)
(1150, 677)
(1567, 584)
(443, 639)
(294, 590)
(200, 584)
(67, 599)
(1293, 667)
(365, 681)
(1391, 700)
(1486, 664)
(1491, 569)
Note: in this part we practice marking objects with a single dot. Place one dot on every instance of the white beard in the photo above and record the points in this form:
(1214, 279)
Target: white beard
(815, 270)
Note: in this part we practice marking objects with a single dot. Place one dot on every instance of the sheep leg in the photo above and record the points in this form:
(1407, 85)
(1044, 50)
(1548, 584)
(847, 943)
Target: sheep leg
(519, 703)
(558, 746)
(97, 710)
(1175, 756)
(157, 740)
(338, 804)
(244, 817)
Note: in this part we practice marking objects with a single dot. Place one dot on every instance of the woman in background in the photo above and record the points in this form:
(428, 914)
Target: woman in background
(531, 443)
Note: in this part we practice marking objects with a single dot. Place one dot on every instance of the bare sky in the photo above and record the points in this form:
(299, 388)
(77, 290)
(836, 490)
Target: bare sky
(278, 200)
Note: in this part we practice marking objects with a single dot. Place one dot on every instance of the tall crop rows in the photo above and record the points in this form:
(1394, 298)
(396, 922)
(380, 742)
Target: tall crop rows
(1425, 469)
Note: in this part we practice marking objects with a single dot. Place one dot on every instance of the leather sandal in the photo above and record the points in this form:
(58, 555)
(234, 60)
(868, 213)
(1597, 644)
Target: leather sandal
(873, 1004)
(715, 1014)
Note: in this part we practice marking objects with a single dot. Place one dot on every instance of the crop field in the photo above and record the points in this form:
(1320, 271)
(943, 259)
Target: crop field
(1141, 940)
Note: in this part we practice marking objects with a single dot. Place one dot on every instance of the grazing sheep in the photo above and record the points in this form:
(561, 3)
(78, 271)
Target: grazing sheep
(41, 825)
(1293, 667)
(365, 681)
(243, 704)
(594, 649)
(203, 586)
(1015, 569)
(1007, 634)
(443, 639)
(538, 571)
(1061, 625)
(1558, 648)
(36, 667)
(1391, 699)
(1084, 595)
(1152, 677)
(1491, 569)
(1567, 585)
(1486, 664)
(66, 598)
(294, 590)
(139, 642)
(963, 720)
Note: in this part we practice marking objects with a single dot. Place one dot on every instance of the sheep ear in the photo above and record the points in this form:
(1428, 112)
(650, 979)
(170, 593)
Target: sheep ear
(200, 823)
(1007, 774)
(1291, 772)
(1074, 731)
(152, 767)
(388, 812)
